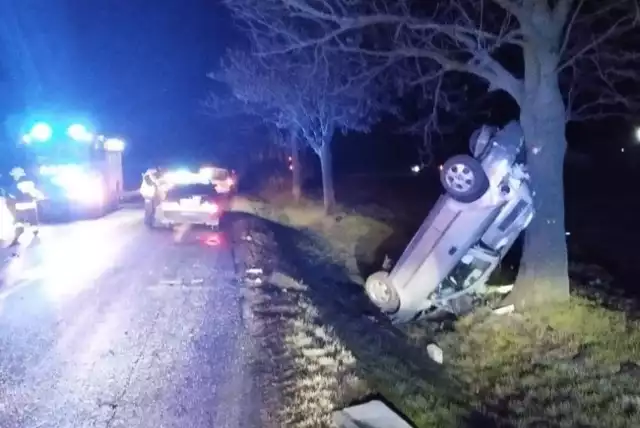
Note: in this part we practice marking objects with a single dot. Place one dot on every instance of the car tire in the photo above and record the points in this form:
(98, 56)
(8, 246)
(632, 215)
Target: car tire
(382, 292)
(464, 179)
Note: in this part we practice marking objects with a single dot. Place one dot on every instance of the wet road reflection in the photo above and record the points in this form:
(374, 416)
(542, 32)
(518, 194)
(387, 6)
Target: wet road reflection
(104, 323)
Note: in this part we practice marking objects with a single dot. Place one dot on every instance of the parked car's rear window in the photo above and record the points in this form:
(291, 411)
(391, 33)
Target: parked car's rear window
(188, 190)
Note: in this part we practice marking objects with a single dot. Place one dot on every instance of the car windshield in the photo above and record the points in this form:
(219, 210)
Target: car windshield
(188, 190)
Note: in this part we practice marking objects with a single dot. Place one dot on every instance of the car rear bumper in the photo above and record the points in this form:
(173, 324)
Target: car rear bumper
(169, 218)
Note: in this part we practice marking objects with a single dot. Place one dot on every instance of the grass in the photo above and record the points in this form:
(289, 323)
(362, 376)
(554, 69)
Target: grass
(561, 366)
(359, 239)
(568, 365)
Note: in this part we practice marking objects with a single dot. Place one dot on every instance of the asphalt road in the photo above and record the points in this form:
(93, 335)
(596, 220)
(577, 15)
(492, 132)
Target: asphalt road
(104, 323)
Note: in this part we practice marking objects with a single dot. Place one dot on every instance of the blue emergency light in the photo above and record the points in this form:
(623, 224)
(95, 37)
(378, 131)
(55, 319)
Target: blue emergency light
(41, 131)
(79, 132)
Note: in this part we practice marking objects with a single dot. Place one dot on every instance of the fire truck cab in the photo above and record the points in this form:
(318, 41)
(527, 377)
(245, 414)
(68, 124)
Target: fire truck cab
(75, 170)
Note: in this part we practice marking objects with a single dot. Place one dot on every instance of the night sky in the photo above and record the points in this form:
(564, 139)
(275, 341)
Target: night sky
(148, 63)
(137, 67)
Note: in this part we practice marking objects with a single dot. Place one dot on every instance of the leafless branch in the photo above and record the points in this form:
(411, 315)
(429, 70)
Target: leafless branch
(313, 92)
(430, 45)
(600, 59)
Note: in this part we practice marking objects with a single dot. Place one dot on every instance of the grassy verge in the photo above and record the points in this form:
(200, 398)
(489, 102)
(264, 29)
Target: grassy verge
(319, 353)
(359, 238)
(563, 366)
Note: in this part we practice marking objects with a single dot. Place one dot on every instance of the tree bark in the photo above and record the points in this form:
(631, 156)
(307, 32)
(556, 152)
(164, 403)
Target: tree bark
(326, 167)
(543, 274)
(296, 172)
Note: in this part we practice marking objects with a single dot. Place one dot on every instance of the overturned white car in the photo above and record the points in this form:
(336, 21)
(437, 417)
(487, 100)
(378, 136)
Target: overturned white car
(487, 204)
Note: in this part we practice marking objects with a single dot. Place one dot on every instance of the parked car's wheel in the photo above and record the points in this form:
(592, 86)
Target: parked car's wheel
(382, 292)
(464, 178)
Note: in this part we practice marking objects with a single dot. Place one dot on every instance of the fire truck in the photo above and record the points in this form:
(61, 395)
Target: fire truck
(75, 170)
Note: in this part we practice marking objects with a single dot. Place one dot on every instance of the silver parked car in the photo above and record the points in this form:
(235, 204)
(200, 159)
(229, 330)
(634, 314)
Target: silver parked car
(181, 197)
(486, 205)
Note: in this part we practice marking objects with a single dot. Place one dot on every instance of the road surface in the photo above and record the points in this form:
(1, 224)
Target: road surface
(104, 323)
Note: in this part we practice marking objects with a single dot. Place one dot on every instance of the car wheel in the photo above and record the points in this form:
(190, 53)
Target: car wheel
(464, 178)
(382, 292)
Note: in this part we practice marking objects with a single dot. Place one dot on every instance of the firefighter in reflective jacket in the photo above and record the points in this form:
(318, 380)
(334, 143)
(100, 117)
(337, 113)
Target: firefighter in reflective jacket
(151, 191)
(22, 199)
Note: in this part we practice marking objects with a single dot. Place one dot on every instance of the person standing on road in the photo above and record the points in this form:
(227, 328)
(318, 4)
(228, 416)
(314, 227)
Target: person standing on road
(153, 183)
(22, 198)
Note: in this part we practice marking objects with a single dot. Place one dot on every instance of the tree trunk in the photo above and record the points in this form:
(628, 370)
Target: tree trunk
(296, 173)
(543, 274)
(326, 167)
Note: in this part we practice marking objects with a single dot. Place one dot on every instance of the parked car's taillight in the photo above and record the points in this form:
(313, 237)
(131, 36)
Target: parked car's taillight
(210, 207)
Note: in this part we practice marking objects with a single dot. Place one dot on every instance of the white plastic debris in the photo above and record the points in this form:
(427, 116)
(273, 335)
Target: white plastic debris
(254, 271)
(500, 289)
(387, 263)
(435, 353)
(505, 310)
(374, 414)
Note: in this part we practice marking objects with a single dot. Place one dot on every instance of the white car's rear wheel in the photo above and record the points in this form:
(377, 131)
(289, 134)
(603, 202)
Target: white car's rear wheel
(382, 292)
(464, 179)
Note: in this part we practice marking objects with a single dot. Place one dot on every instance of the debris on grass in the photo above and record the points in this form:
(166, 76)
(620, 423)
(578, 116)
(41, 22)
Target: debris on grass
(504, 310)
(435, 353)
(373, 414)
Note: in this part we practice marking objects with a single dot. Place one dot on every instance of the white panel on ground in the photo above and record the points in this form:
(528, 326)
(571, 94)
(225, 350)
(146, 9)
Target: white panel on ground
(374, 414)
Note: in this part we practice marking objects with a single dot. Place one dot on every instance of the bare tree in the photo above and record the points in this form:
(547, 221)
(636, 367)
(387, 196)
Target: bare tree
(310, 95)
(249, 96)
(559, 60)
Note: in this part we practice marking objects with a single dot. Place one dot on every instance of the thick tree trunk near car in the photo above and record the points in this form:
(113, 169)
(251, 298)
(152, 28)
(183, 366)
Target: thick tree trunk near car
(326, 167)
(296, 176)
(543, 275)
